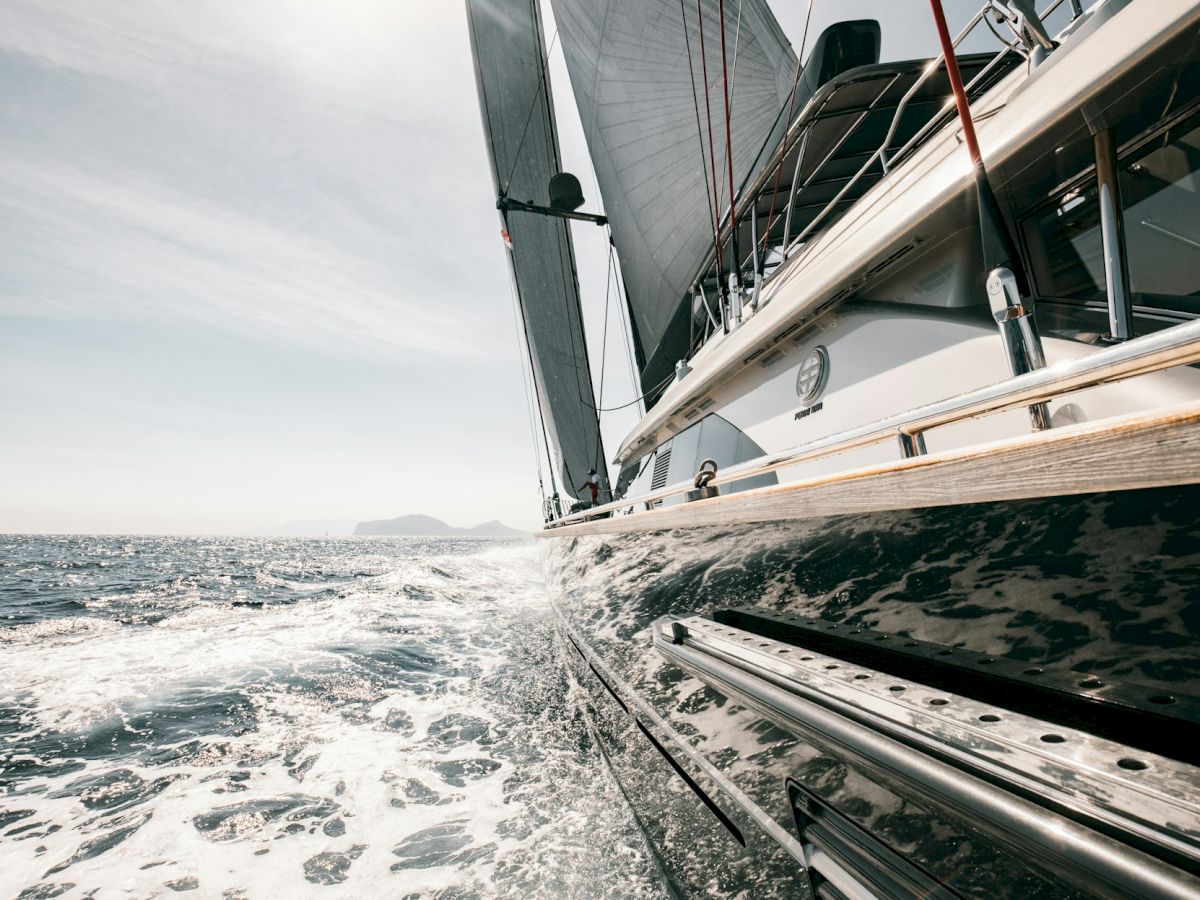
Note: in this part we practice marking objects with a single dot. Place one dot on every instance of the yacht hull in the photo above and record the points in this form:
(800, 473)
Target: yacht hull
(1095, 586)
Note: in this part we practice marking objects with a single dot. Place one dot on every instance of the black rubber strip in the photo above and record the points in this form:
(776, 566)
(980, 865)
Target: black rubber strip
(620, 702)
(691, 782)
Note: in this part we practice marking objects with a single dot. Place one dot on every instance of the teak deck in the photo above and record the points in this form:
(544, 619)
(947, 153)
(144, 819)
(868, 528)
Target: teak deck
(1154, 449)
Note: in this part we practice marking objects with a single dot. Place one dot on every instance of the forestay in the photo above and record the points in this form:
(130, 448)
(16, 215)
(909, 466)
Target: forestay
(638, 77)
(518, 119)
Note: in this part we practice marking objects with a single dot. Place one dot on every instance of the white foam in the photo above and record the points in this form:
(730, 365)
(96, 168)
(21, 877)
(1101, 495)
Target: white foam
(485, 611)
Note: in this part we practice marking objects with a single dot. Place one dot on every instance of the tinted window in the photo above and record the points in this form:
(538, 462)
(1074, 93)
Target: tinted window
(1162, 234)
(1068, 258)
(1162, 230)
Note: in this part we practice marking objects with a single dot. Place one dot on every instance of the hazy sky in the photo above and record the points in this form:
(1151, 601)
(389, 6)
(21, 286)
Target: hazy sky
(250, 268)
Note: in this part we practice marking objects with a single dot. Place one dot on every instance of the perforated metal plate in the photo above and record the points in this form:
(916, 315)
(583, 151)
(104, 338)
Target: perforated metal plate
(1154, 799)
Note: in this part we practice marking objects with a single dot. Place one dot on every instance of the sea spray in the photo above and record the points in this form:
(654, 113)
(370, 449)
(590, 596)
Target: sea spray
(286, 717)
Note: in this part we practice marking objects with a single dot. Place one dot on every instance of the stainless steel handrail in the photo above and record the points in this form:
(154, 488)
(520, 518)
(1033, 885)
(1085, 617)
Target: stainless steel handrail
(1174, 346)
(748, 198)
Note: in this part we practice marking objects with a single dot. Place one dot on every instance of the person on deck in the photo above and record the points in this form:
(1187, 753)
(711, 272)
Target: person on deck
(592, 482)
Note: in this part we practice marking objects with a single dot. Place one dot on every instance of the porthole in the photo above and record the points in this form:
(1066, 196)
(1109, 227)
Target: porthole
(813, 375)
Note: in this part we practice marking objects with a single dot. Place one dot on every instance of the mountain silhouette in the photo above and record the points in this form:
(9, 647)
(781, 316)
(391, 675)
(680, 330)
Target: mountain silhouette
(428, 526)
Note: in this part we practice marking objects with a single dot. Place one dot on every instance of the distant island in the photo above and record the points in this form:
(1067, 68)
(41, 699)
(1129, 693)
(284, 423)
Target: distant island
(430, 527)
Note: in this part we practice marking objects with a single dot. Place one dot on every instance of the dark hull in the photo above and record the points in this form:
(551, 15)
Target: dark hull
(1097, 585)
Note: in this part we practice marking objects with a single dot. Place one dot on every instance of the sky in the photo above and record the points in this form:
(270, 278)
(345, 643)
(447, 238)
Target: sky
(250, 265)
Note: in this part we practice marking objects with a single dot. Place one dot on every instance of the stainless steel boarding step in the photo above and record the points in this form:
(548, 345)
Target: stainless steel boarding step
(1121, 710)
(1109, 819)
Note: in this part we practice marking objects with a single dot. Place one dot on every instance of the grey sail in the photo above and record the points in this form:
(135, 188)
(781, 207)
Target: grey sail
(518, 120)
(633, 64)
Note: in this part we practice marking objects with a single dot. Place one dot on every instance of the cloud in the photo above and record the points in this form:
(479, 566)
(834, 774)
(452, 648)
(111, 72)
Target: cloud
(96, 247)
(369, 53)
(298, 171)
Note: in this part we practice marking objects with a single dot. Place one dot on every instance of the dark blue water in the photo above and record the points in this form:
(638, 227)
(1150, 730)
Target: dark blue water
(241, 717)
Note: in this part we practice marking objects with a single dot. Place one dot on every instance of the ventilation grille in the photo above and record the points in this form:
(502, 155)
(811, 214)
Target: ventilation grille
(662, 462)
(771, 358)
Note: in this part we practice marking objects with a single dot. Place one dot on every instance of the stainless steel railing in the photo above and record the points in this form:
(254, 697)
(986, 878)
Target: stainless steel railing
(881, 155)
(1174, 346)
(797, 132)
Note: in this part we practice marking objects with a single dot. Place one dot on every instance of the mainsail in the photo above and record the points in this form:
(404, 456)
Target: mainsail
(637, 71)
(518, 119)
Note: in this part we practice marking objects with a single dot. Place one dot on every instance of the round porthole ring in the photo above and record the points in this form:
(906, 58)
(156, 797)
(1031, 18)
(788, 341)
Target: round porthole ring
(807, 388)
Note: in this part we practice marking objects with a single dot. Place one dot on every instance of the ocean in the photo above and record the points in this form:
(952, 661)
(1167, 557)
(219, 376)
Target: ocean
(268, 717)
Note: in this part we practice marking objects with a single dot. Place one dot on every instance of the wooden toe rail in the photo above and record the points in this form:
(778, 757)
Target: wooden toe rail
(1144, 450)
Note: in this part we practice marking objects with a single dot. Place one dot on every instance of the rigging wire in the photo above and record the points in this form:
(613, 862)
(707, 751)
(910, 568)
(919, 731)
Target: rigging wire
(515, 288)
(636, 399)
(791, 107)
(735, 266)
(603, 361)
(529, 118)
(530, 409)
(699, 131)
(729, 80)
(712, 158)
(623, 301)
(737, 43)
(614, 262)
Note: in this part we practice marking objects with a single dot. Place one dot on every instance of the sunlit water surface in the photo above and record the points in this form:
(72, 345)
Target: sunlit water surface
(347, 717)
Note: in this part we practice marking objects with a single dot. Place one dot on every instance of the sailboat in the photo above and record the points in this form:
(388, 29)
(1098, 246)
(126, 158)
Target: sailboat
(892, 591)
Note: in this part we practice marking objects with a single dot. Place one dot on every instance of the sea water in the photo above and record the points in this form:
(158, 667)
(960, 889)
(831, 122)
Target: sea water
(340, 717)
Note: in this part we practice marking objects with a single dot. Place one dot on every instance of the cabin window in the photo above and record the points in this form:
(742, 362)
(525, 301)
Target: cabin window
(1160, 190)
(1162, 220)
(1067, 256)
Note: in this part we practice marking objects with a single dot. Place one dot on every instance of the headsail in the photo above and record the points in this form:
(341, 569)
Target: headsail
(518, 119)
(633, 65)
